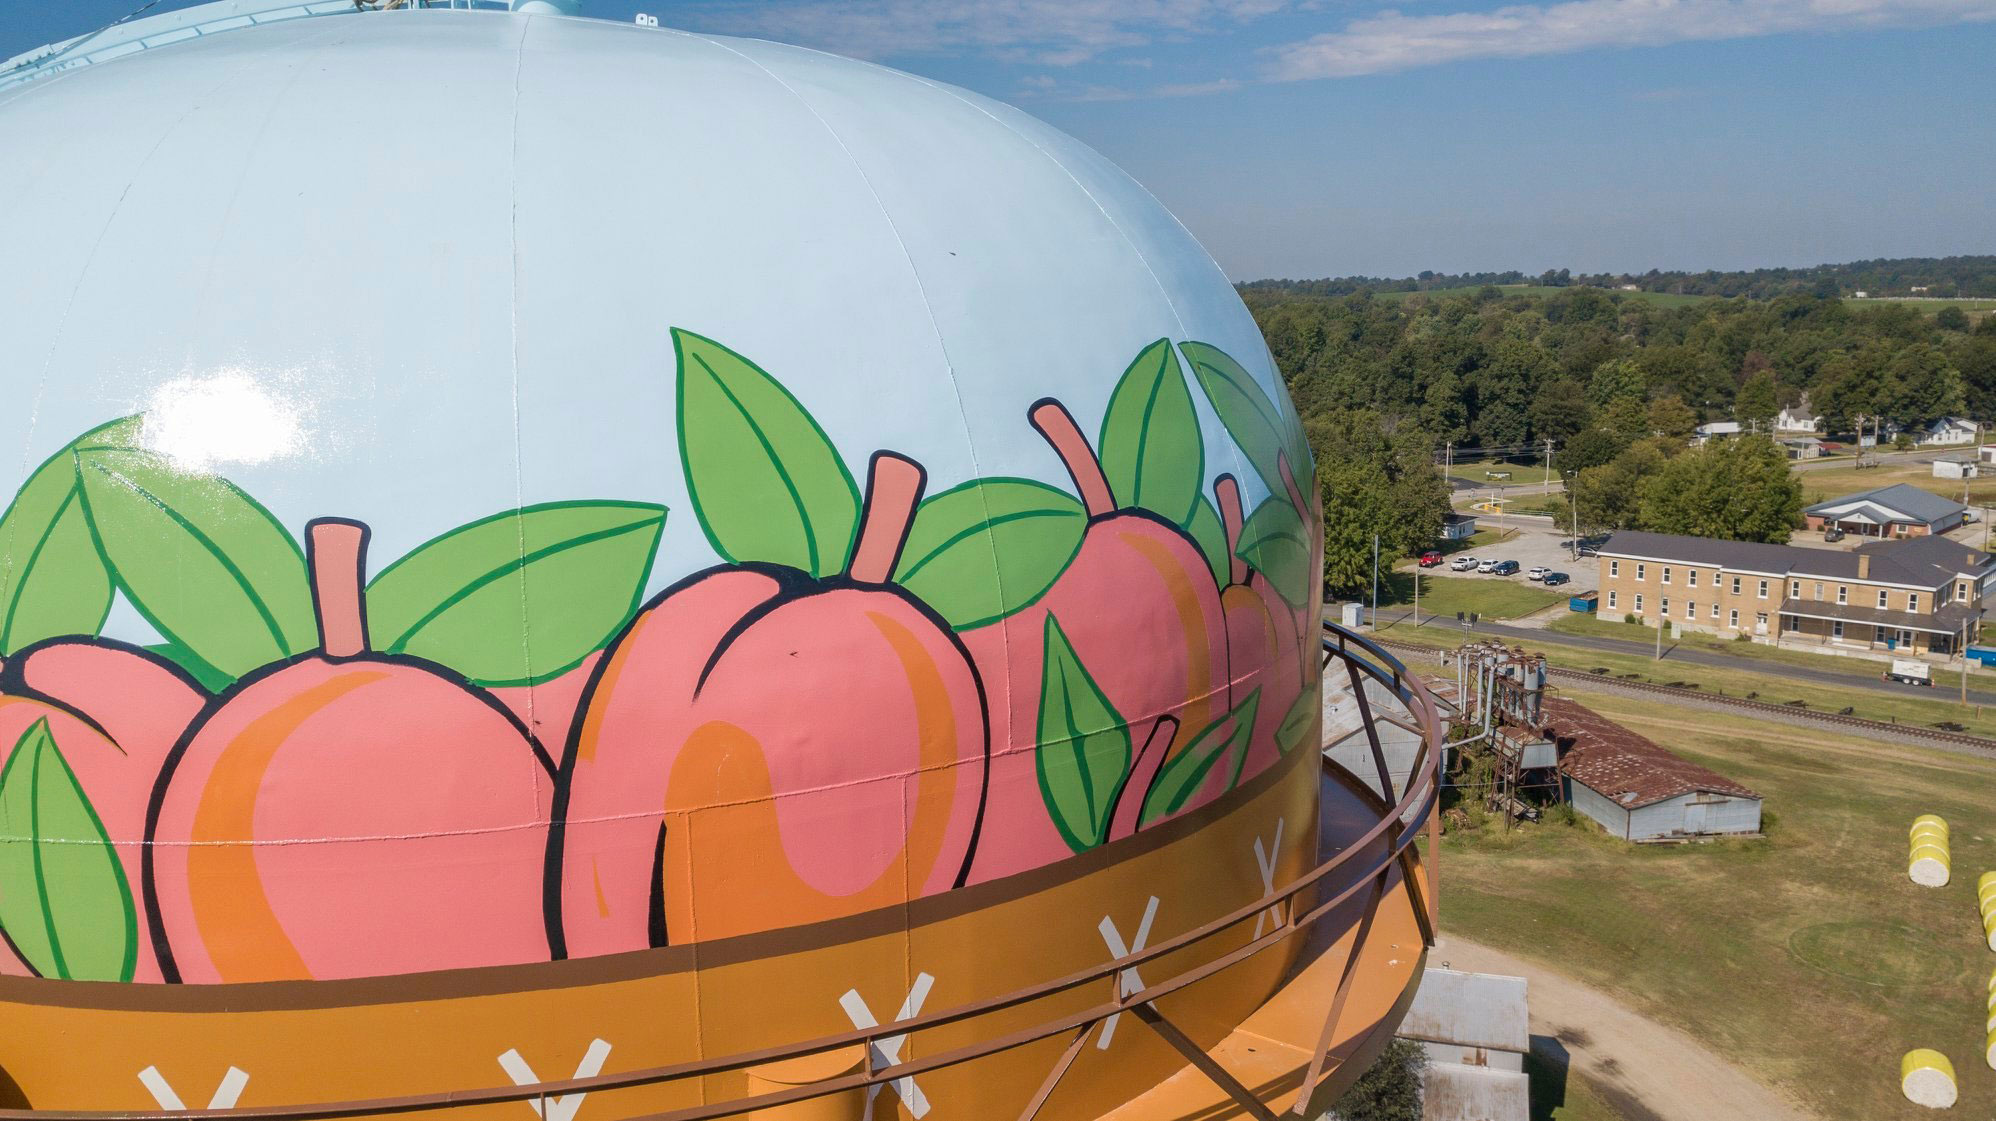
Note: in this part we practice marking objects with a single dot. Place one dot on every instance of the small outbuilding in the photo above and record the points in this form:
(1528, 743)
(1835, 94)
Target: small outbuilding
(1637, 790)
(1458, 527)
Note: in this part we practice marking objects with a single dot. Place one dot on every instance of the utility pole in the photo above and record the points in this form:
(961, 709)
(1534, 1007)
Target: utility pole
(1964, 661)
(1573, 504)
(1662, 621)
(1375, 582)
(1548, 482)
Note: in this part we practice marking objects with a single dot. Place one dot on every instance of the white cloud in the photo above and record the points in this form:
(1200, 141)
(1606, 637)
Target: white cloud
(1045, 32)
(1393, 40)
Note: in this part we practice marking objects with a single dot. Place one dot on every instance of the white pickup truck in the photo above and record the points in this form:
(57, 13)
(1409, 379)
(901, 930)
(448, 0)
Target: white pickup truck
(1910, 672)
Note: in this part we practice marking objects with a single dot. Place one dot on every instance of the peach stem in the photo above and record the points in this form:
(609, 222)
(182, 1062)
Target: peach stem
(334, 552)
(893, 488)
(1051, 418)
(1289, 483)
(1229, 493)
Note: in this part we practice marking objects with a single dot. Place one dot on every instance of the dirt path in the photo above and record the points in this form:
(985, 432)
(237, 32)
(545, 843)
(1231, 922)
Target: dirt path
(1647, 1071)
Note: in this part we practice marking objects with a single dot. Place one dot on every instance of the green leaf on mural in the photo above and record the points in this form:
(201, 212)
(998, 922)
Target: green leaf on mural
(766, 482)
(207, 566)
(1185, 773)
(1084, 746)
(1275, 544)
(1257, 424)
(64, 900)
(520, 596)
(1210, 535)
(1150, 444)
(211, 679)
(52, 580)
(1297, 722)
(990, 547)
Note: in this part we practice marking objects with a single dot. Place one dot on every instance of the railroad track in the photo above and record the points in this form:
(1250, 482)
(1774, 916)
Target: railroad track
(1685, 693)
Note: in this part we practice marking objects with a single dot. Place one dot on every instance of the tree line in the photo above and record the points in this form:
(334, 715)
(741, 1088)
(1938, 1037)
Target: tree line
(1613, 380)
(1937, 277)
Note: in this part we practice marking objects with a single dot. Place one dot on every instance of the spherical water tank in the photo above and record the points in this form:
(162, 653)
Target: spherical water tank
(497, 493)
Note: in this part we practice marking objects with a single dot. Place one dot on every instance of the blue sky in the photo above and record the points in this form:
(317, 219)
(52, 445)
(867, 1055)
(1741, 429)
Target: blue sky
(1333, 137)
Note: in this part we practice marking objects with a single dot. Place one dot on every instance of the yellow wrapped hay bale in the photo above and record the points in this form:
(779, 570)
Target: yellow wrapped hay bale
(1933, 821)
(1928, 863)
(1927, 1078)
(1989, 1047)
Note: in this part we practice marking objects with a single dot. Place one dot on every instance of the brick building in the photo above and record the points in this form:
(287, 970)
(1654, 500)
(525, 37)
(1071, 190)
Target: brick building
(1919, 594)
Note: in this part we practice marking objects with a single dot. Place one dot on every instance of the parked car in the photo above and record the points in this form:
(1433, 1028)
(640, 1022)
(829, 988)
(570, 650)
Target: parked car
(1505, 568)
(1589, 551)
(1555, 579)
(1488, 565)
(1430, 559)
(1462, 564)
(1537, 572)
(1833, 534)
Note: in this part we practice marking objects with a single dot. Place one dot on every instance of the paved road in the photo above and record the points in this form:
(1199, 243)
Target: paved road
(1946, 687)
(1525, 483)
(1646, 1070)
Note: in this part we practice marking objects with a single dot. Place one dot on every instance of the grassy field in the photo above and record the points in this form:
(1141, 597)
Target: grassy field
(1613, 626)
(1925, 707)
(1560, 1096)
(1972, 307)
(1807, 957)
(1661, 299)
(1446, 595)
(1474, 472)
(1830, 482)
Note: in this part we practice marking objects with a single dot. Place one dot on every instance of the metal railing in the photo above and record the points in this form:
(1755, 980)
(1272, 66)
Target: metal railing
(120, 39)
(1398, 827)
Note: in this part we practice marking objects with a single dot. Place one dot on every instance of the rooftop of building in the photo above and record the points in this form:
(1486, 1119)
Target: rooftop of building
(1622, 766)
(1924, 562)
(1905, 500)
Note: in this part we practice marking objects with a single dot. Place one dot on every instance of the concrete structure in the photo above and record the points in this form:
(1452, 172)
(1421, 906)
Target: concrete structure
(1458, 527)
(1803, 447)
(1637, 790)
(1986, 453)
(1950, 430)
(1956, 469)
(1919, 594)
(1476, 1030)
(1899, 510)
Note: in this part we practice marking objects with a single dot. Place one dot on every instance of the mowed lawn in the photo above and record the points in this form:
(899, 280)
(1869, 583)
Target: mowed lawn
(1507, 597)
(1912, 705)
(1833, 482)
(1806, 957)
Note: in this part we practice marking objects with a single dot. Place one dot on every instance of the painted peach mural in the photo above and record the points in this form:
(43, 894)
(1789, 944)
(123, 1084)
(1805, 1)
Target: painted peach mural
(885, 689)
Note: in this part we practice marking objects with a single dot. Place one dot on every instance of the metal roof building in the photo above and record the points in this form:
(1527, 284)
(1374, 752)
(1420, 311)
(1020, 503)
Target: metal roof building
(1637, 790)
(1900, 510)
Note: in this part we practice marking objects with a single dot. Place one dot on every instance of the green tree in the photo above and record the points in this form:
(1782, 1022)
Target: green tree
(1923, 386)
(1390, 1089)
(1756, 406)
(1559, 411)
(1951, 318)
(1734, 490)
(1608, 496)
(1590, 448)
(1669, 416)
(1374, 479)
(1617, 379)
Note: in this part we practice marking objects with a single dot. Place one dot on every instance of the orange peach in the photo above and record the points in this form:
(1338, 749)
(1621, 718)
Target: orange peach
(762, 748)
(348, 814)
